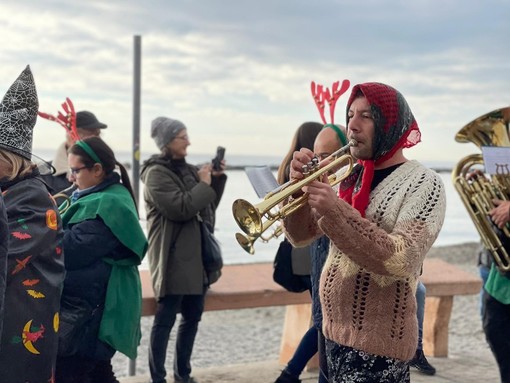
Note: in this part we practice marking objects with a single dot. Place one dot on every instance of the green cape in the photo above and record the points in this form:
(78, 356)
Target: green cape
(120, 325)
(498, 286)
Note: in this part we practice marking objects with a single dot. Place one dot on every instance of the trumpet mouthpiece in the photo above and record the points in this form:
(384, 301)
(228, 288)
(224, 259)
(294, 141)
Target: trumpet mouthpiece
(345, 149)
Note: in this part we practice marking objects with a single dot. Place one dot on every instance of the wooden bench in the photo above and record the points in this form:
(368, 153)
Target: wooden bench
(252, 285)
(240, 286)
(443, 281)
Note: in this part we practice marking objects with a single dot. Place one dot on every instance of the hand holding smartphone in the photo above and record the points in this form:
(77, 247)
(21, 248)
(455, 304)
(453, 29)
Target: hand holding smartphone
(220, 155)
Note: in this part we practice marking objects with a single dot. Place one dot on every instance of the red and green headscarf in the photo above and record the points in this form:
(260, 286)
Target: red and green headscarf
(395, 127)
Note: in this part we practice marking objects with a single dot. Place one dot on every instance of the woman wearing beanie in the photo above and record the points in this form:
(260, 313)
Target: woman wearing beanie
(175, 194)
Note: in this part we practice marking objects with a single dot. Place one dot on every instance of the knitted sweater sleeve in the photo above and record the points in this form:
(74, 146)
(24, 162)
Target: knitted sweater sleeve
(301, 227)
(406, 218)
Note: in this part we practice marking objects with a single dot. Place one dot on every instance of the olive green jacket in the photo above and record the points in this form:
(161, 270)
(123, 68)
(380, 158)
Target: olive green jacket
(173, 231)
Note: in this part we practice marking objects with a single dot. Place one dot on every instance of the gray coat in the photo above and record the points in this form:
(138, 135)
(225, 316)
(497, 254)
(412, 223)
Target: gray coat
(172, 202)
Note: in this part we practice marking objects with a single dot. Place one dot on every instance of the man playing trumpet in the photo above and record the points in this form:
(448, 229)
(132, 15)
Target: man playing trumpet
(388, 215)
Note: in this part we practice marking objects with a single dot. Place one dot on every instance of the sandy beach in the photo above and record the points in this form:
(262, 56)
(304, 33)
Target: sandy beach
(253, 335)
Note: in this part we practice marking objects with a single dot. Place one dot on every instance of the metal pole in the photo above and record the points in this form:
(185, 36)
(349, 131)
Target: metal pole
(136, 139)
(136, 114)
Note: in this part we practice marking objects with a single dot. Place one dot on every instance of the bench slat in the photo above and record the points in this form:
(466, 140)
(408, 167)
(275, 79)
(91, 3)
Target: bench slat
(240, 286)
(444, 279)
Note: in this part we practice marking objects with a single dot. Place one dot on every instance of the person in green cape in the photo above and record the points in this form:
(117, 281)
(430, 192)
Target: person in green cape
(496, 297)
(103, 245)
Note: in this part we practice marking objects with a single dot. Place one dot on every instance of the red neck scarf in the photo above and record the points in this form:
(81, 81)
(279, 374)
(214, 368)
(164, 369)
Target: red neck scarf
(395, 127)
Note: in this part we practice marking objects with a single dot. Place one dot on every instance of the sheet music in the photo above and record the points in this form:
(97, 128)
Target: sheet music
(262, 179)
(496, 159)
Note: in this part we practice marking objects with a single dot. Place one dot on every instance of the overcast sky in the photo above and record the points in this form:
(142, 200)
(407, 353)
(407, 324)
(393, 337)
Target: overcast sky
(238, 73)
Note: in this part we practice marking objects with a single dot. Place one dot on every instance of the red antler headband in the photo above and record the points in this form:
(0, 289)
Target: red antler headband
(68, 121)
(322, 95)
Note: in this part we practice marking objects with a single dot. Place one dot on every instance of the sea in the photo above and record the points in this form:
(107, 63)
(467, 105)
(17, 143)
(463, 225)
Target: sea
(457, 228)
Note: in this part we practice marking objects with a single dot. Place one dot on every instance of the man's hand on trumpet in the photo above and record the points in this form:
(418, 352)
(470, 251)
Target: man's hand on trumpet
(300, 160)
(321, 196)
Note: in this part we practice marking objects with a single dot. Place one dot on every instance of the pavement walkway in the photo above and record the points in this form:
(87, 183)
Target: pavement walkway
(456, 368)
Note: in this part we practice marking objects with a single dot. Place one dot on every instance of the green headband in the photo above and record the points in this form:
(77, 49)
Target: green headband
(338, 131)
(89, 151)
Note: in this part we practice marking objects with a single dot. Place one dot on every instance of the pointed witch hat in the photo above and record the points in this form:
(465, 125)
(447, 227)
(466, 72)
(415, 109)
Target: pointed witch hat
(18, 114)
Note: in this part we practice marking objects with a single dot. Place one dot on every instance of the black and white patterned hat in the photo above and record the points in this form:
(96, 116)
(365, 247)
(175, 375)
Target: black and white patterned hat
(18, 113)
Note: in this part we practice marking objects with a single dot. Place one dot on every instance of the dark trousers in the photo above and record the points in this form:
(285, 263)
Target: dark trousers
(191, 308)
(496, 325)
(306, 349)
(78, 369)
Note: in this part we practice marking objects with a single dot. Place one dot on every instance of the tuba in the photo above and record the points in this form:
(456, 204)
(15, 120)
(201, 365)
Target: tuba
(477, 192)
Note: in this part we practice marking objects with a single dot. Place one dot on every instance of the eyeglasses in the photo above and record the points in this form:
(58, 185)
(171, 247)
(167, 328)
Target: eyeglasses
(75, 171)
(185, 138)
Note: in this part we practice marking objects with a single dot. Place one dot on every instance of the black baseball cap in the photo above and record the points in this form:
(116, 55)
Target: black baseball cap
(87, 120)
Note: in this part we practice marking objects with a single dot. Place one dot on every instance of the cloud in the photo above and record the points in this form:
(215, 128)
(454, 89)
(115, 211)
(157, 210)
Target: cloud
(238, 73)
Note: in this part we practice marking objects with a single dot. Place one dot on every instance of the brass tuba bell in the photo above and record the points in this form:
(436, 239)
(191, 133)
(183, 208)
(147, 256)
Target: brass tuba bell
(477, 192)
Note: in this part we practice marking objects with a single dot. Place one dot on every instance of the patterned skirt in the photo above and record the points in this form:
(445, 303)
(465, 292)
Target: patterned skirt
(348, 365)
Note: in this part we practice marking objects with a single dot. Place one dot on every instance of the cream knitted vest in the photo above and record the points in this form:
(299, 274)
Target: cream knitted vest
(368, 283)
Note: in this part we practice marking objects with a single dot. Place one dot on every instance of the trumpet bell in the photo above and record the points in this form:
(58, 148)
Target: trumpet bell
(247, 217)
(246, 243)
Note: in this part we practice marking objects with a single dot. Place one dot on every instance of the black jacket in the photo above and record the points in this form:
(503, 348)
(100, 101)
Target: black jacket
(35, 274)
(86, 244)
(4, 230)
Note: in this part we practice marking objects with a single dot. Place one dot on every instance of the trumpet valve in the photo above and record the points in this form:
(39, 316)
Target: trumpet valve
(310, 166)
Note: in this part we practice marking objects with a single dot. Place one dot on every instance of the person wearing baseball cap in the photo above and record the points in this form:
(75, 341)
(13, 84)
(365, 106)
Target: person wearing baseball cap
(87, 125)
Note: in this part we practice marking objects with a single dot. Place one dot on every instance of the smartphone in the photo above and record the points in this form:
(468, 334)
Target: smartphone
(220, 154)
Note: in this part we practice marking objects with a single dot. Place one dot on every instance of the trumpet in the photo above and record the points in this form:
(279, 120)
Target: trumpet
(256, 219)
(66, 203)
(247, 242)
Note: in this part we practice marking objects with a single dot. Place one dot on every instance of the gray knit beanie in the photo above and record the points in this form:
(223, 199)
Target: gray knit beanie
(164, 130)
